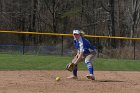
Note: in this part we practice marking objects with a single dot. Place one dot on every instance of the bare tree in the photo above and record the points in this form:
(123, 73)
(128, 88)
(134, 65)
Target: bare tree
(98, 17)
(135, 17)
(132, 15)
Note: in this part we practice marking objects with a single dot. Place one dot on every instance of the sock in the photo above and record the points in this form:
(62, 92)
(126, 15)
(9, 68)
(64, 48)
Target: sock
(90, 68)
(75, 70)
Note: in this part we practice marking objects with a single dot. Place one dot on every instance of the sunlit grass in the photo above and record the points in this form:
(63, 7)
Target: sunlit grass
(52, 62)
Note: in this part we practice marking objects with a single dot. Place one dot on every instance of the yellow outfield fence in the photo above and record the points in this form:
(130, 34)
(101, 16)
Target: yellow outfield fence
(59, 34)
(126, 47)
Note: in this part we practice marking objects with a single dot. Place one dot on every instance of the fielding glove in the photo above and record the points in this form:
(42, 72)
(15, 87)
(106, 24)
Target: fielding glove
(70, 67)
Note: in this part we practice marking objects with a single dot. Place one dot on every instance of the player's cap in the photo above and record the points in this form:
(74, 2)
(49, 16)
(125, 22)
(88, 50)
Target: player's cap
(76, 32)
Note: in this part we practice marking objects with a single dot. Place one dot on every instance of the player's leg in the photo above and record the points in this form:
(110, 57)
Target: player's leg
(88, 61)
(74, 73)
(76, 67)
(90, 69)
(75, 70)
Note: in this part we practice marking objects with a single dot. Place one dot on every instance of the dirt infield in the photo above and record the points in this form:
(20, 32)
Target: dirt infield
(44, 82)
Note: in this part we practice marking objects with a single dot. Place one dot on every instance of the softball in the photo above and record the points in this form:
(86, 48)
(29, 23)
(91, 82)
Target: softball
(57, 78)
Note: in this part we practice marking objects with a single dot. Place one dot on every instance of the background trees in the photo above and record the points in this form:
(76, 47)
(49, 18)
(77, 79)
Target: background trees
(98, 17)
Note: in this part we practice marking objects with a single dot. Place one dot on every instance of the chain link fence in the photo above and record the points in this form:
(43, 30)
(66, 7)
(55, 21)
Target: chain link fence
(63, 45)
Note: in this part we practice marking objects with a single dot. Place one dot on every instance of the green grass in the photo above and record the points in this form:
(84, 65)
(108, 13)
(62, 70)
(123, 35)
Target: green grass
(49, 62)
(117, 65)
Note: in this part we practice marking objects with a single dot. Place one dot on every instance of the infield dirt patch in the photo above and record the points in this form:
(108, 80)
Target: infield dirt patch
(44, 82)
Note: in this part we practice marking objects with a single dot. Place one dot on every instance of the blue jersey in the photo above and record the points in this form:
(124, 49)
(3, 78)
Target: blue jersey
(83, 45)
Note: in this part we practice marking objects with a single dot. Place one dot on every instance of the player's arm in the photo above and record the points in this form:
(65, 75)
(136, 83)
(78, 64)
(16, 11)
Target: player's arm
(76, 60)
(79, 58)
(75, 57)
(81, 52)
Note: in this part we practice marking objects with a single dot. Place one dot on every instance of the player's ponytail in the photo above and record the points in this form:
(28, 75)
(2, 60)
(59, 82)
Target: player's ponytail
(82, 33)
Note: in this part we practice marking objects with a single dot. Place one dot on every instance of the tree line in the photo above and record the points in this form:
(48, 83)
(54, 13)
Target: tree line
(95, 17)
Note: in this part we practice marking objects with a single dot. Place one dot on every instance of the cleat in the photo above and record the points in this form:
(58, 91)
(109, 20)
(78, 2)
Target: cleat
(72, 77)
(90, 77)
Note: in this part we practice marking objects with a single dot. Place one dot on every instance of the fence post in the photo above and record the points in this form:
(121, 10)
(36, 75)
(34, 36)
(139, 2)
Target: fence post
(98, 46)
(62, 47)
(23, 44)
(134, 49)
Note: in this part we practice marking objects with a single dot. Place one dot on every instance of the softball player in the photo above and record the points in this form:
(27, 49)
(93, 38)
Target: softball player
(84, 51)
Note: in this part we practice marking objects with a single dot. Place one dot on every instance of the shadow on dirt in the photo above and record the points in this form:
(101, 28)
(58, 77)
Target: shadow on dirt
(101, 80)
(109, 81)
